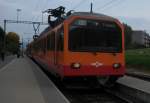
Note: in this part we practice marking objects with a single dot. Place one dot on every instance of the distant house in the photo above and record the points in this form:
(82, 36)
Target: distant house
(141, 37)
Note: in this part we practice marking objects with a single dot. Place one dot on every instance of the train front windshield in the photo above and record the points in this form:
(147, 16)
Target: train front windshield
(95, 36)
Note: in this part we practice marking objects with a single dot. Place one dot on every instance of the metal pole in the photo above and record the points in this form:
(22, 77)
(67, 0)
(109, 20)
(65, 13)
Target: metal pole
(18, 10)
(5, 33)
(4, 39)
(36, 28)
(91, 11)
(17, 16)
(42, 17)
(5, 26)
(28, 41)
(22, 46)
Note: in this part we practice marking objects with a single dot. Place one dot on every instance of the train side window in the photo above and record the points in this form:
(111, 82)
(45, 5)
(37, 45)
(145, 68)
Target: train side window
(44, 45)
(48, 42)
(37, 43)
(52, 41)
(60, 39)
(41, 45)
(35, 47)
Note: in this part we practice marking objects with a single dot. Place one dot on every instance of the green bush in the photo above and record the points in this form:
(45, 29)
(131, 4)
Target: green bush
(139, 58)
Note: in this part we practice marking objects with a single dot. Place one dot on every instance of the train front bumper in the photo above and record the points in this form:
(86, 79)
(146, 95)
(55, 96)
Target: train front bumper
(91, 71)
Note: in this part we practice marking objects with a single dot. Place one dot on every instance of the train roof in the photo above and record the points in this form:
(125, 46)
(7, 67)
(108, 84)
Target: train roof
(45, 30)
(83, 14)
(96, 15)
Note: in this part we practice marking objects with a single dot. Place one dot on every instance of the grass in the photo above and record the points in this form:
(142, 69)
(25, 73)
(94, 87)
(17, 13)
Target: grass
(138, 58)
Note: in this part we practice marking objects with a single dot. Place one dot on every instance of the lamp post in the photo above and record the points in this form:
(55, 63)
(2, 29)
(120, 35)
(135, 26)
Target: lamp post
(22, 47)
(18, 10)
(4, 42)
(42, 16)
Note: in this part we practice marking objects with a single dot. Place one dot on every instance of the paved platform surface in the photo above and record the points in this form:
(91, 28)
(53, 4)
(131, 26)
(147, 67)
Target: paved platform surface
(135, 83)
(21, 81)
(7, 60)
(138, 71)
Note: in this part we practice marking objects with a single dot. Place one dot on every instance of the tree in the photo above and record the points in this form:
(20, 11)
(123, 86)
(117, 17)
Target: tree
(12, 42)
(128, 36)
(2, 34)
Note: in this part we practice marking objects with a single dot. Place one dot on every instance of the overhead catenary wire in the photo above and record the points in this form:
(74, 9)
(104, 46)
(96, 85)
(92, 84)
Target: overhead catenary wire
(45, 7)
(33, 17)
(35, 8)
(106, 4)
(79, 4)
(114, 5)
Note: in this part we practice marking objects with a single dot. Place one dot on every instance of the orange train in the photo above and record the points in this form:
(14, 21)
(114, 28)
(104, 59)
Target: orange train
(83, 45)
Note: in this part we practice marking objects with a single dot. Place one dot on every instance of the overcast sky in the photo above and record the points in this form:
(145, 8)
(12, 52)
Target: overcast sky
(133, 12)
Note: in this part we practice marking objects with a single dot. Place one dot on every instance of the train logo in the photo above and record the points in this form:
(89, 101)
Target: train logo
(97, 64)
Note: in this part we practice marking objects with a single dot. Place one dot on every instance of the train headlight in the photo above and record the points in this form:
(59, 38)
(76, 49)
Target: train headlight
(75, 65)
(116, 65)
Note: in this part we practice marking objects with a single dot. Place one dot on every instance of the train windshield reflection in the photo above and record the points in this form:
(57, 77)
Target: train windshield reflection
(94, 35)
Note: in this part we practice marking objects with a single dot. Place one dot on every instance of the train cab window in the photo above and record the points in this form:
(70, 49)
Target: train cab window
(95, 36)
(60, 39)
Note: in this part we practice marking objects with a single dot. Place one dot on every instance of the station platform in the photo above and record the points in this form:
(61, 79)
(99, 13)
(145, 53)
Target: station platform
(136, 89)
(22, 81)
(6, 60)
(135, 83)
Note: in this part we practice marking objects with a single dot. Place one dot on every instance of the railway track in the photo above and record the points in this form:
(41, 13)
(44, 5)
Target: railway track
(92, 96)
(82, 94)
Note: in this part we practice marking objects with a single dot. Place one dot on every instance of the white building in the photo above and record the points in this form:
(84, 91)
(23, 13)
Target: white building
(141, 37)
